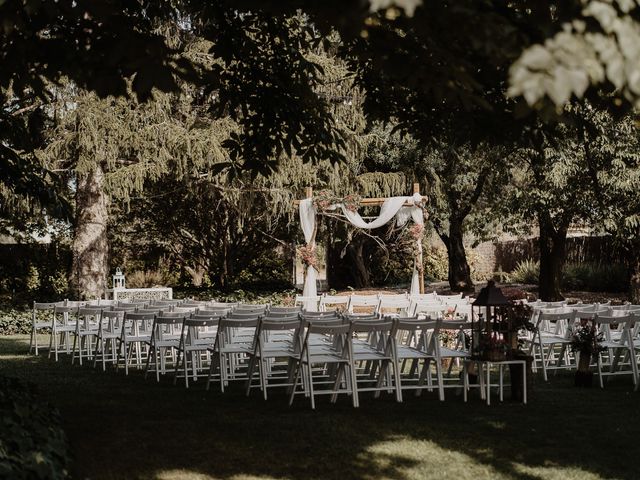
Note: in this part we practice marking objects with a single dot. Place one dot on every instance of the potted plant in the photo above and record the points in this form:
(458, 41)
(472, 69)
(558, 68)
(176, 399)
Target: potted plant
(587, 343)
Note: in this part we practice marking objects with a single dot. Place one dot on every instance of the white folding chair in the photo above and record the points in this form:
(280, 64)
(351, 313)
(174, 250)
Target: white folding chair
(308, 303)
(63, 324)
(620, 349)
(394, 305)
(333, 360)
(375, 356)
(134, 334)
(277, 339)
(368, 303)
(553, 329)
(233, 345)
(164, 341)
(87, 326)
(109, 327)
(413, 336)
(457, 352)
(428, 309)
(276, 310)
(197, 337)
(39, 311)
(334, 302)
(226, 305)
(258, 309)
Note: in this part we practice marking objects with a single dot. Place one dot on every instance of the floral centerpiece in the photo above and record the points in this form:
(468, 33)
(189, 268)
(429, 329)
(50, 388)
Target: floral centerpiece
(587, 342)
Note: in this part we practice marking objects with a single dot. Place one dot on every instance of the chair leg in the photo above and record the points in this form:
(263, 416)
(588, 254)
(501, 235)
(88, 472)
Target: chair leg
(263, 377)
(354, 386)
(310, 376)
(185, 367)
(158, 351)
(33, 329)
(340, 372)
(295, 383)
(250, 369)
(146, 368)
(542, 360)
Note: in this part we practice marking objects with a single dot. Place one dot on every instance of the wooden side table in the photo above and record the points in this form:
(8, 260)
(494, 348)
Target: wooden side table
(484, 368)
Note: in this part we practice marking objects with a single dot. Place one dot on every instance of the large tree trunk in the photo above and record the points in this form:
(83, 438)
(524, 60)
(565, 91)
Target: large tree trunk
(552, 244)
(459, 270)
(361, 277)
(90, 244)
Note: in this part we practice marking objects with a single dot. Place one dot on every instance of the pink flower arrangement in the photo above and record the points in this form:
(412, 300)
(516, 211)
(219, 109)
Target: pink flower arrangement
(351, 202)
(417, 231)
(324, 199)
(308, 255)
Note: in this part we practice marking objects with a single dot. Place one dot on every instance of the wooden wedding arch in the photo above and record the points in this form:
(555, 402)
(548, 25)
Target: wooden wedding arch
(371, 202)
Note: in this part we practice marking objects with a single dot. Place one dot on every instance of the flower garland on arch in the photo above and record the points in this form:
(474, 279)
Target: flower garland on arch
(325, 200)
(414, 236)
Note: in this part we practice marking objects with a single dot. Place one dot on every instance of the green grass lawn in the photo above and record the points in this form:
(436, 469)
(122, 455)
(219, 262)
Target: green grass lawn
(128, 428)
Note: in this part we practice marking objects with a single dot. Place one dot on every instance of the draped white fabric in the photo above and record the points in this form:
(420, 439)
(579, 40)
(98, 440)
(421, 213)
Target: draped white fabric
(392, 208)
(388, 210)
(307, 218)
(418, 217)
(308, 223)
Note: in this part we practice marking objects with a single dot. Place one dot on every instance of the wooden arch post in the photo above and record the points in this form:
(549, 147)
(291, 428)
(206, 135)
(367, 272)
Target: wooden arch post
(419, 259)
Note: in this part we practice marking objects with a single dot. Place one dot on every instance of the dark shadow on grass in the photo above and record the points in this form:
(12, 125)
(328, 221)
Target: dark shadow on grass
(126, 427)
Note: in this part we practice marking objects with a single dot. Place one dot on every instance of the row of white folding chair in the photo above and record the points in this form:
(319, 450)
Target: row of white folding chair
(199, 332)
(379, 365)
(549, 343)
(337, 363)
(63, 322)
(361, 351)
(620, 344)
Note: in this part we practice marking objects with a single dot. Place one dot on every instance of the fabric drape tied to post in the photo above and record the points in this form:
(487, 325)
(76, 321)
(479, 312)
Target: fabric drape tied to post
(308, 223)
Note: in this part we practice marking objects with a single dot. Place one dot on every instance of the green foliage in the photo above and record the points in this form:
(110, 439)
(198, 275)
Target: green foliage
(32, 282)
(280, 297)
(436, 262)
(32, 442)
(596, 49)
(14, 319)
(147, 279)
(29, 271)
(526, 271)
(590, 277)
(595, 277)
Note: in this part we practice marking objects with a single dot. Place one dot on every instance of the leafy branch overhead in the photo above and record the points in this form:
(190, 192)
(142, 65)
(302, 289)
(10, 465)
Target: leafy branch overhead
(598, 49)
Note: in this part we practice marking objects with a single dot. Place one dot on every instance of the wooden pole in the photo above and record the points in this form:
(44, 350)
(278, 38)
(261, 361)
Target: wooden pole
(419, 259)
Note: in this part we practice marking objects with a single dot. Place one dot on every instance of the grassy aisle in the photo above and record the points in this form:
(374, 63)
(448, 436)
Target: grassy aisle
(129, 428)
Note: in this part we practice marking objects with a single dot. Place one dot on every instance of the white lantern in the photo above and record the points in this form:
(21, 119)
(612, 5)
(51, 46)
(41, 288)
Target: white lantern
(118, 279)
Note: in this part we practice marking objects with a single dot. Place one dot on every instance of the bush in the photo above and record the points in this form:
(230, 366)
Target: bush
(436, 263)
(526, 271)
(14, 321)
(591, 277)
(32, 442)
(595, 277)
(286, 297)
(146, 279)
